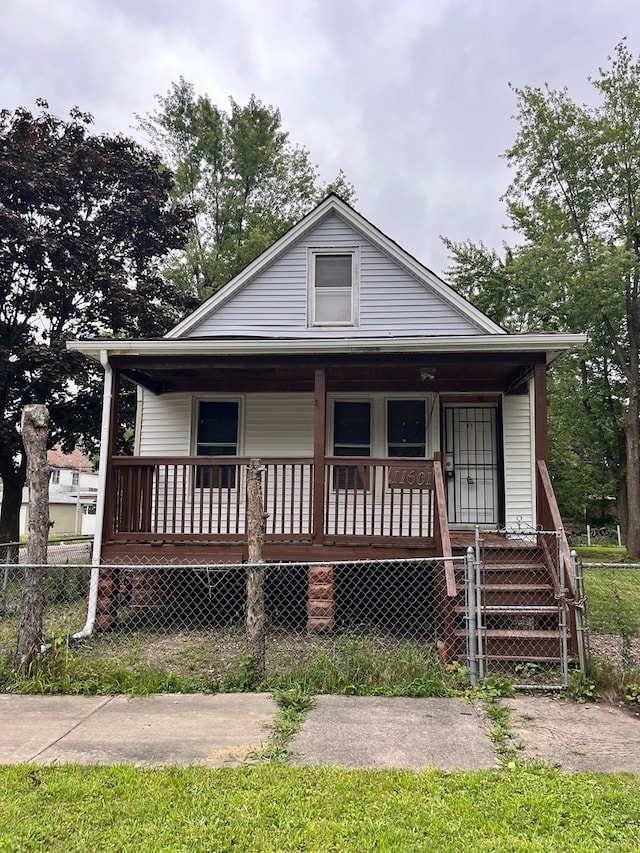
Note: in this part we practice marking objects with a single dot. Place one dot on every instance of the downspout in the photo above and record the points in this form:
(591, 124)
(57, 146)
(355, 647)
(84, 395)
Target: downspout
(107, 401)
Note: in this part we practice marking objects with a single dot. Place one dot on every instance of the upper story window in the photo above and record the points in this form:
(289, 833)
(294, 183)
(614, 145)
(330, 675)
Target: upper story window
(55, 476)
(334, 287)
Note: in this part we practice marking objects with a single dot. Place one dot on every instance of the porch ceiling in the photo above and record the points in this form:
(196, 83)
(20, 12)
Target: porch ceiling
(447, 372)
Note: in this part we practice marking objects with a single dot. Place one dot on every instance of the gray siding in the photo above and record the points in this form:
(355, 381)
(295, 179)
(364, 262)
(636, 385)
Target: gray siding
(392, 301)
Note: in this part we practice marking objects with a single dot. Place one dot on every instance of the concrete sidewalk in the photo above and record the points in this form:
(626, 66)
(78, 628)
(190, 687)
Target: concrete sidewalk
(348, 731)
(214, 731)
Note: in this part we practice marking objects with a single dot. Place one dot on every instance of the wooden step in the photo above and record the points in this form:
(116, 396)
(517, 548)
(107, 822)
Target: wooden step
(506, 594)
(512, 609)
(512, 644)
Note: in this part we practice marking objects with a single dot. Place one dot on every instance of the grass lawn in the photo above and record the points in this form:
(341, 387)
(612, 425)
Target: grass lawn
(267, 808)
(613, 600)
(273, 807)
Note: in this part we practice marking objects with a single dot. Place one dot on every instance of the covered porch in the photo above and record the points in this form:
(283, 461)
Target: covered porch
(323, 500)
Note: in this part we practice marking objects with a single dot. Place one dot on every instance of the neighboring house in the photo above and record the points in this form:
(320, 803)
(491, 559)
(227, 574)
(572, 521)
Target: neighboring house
(389, 413)
(73, 489)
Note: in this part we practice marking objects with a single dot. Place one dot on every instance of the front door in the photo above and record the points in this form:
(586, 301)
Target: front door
(471, 454)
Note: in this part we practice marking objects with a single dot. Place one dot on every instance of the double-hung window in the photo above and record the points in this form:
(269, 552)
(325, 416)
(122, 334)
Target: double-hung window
(333, 295)
(406, 428)
(351, 437)
(217, 435)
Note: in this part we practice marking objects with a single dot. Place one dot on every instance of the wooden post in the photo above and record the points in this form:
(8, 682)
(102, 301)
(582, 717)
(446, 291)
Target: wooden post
(255, 571)
(35, 425)
(319, 443)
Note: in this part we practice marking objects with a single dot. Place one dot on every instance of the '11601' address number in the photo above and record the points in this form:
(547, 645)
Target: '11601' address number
(410, 477)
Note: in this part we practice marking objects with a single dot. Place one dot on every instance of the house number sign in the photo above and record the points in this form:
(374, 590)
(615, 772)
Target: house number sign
(418, 476)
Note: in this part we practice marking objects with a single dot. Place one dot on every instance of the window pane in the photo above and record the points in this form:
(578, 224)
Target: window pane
(406, 427)
(352, 424)
(405, 450)
(217, 436)
(333, 306)
(218, 422)
(333, 271)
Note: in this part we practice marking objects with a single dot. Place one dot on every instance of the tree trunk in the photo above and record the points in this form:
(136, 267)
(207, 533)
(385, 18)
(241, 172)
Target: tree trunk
(632, 435)
(35, 422)
(255, 571)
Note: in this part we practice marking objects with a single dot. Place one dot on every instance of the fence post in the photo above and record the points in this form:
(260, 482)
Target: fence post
(589, 535)
(579, 610)
(35, 426)
(471, 617)
(255, 569)
(562, 601)
(478, 592)
(618, 531)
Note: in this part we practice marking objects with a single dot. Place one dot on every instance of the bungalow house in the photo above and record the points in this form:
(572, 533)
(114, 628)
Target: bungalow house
(390, 415)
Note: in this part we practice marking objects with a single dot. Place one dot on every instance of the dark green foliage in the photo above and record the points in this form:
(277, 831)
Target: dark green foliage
(246, 182)
(575, 204)
(84, 221)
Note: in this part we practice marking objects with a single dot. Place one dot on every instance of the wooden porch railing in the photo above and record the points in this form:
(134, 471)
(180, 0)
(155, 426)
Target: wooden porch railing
(204, 498)
(550, 519)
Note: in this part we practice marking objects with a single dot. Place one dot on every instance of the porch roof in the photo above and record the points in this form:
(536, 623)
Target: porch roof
(552, 344)
(481, 364)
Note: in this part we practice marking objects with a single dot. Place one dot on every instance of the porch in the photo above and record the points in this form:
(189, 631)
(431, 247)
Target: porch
(345, 508)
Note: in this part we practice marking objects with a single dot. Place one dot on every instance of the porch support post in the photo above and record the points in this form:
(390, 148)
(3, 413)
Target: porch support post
(319, 444)
(106, 613)
(540, 426)
(320, 600)
(540, 412)
(106, 594)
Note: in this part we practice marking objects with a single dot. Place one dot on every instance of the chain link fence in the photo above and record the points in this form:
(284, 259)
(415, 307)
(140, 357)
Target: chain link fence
(519, 621)
(185, 616)
(509, 615)
(612, 612)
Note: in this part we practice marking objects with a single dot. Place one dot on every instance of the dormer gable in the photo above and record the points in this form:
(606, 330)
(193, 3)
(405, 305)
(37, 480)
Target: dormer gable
(335, 275)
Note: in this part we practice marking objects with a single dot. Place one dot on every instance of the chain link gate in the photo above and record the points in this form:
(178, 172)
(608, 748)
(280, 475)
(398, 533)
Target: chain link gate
(517, 608)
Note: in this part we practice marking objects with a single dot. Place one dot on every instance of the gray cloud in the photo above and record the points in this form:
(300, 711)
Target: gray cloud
(411, 99)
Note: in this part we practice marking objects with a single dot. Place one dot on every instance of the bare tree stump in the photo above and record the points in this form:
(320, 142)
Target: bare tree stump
(255, 571)
(35, 424)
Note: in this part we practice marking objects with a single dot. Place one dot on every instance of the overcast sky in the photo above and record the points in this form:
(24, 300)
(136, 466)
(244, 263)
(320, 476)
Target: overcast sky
(410, 97)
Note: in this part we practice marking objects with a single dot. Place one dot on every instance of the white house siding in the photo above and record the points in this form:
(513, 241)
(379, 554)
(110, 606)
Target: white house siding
(274, 425)
(392, 301)
(518, 461)
(278, 425)
(165, 425)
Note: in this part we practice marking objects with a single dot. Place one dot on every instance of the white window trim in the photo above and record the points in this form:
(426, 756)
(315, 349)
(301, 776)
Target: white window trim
(312, 254)
(379, 426)
(218, 398)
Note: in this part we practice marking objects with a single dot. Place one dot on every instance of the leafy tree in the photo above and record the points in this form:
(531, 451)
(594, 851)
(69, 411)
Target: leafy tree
(84, 219)
(575, 202)
(247, 184)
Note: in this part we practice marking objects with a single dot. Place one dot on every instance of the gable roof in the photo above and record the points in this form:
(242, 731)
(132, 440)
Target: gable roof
(333, 204)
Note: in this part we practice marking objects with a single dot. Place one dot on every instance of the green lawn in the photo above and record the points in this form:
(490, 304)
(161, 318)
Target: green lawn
(267, 808)
(613, 600)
